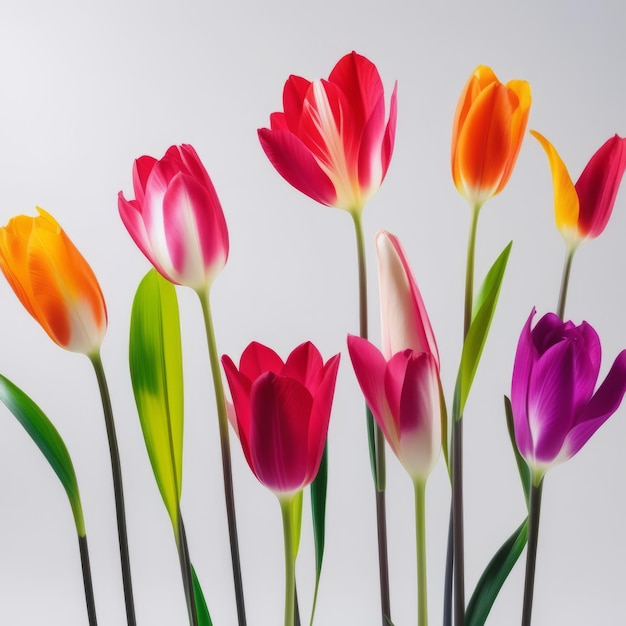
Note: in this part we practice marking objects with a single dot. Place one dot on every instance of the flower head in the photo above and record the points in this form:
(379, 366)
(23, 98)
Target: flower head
(582, 211)
(331, 142)
(176, 218)
(489, 126)
(282, 412)
(555, 409)
(53, 282)
(401, 384)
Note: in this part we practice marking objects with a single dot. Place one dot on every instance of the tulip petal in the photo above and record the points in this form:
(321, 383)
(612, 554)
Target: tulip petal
(141, 172)
(370, 166)
(390, 131)
(295, 163)
(598, 185)
(604, 403)
(566, 203)
(305, 365)
(294, 93)
(279, 431)
(257, 359)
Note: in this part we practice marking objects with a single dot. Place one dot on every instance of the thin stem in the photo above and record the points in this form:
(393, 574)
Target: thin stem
(89, 598)
(222, 420)
(457, 522)
(420, 545)
(567, 268)
(185, 568)
(117, 487)
(288, 511)
(469, 271)
(376, 437)
(531, 554)
(447, 583)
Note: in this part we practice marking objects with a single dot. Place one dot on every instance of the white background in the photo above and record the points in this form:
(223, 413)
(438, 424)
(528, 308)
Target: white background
(86, 87)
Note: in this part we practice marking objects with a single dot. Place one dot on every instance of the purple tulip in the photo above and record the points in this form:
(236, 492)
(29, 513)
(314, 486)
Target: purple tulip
(555, 409)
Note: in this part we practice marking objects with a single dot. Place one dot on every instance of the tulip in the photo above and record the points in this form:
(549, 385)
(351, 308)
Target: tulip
(54, 282)
(489, 126)
(282, 412)
(555, 409)
(176, 218)
(331, 142)
(582, 211)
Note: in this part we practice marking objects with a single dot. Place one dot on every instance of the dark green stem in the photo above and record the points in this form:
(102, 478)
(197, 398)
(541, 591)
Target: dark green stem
(89, 598)
(531, 554)
(117, 488)
(185, 568)
(567, 268)
(375, 436)
(227, 472)
(420, 546)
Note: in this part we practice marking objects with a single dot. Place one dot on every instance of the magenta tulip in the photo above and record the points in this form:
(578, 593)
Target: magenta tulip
(176, 218)
(555, 409)
(282, 412)
(332, 142)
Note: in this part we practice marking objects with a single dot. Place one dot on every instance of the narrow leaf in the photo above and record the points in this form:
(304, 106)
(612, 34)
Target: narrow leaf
(318, 511)
(202, 611)
(156, 370)
(48, 440)
(494, 576)
(522, 467)
(482, 314)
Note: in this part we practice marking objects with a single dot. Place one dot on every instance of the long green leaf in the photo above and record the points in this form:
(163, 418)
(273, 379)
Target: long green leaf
(494, 576)
(204, 619)
(482, 314)
(157, 376)
(318, 511)
(48, 440)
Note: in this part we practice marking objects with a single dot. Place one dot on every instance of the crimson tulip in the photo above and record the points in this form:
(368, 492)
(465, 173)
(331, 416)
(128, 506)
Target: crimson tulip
(332, 142)
(54, 282)
(282, 412)
(555, 409)
(176, 218)
(582, 211)
(489, 126)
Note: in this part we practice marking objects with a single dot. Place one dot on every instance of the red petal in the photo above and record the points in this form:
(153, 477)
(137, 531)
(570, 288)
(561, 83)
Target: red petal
(258, 359)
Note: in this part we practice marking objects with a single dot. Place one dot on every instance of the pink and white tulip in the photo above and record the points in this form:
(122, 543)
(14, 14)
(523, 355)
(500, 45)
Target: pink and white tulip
(176, 218)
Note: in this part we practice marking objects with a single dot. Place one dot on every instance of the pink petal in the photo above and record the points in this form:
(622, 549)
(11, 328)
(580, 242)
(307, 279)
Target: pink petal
(281, 410)
(370, 150)
(294, 93)
(390, 132)
(295, 163)
(598, 185)
(195, 167)
(141, 172)
(258, 359)
(305, 365)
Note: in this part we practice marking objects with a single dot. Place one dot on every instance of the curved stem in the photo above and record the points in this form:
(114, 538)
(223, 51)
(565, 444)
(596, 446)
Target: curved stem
(185, 567)
(420, 545)
(567, 268)
(117, 487)
(375, 436)
(531, 554)
(289, 511)
(469, 271)
(89, 598)
(222, 420)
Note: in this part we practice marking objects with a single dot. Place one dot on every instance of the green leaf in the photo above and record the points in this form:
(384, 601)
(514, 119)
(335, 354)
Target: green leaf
(522, 467)
(494, 576)
(202, 611)
(482, 314)
(318, 511)
(48, 440)
(156, 370)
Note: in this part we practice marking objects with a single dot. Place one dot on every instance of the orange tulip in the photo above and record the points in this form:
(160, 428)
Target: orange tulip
(53, 282)
(489, 126)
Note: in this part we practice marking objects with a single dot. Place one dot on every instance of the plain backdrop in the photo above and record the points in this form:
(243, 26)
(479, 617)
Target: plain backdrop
(87, 87)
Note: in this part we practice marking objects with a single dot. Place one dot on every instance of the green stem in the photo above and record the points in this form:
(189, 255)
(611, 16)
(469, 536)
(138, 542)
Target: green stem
(84, 558)
(375, 436)
(289, 512)
(531, 554)
(117, 487)
(567, 268)
(420, 544)
(227, 472)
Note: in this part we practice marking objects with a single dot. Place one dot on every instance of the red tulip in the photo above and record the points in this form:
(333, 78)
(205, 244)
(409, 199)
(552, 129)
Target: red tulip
(282, 412)
(332, 142)
(176, 218)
